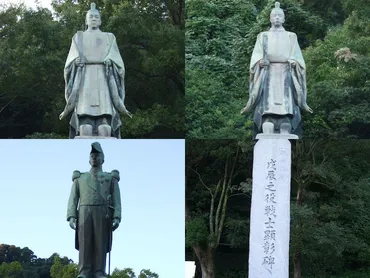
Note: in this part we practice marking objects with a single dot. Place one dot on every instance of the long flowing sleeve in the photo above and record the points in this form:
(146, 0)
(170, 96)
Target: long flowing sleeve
(257, 74)
(298, 74)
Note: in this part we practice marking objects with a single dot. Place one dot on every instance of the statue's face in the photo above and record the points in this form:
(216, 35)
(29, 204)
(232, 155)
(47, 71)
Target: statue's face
(277, 18)
(93, 19)
(96, 159)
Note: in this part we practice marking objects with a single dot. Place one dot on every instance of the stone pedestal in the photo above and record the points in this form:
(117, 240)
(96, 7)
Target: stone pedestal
(93, 137)
(276, 136)
(270, 211)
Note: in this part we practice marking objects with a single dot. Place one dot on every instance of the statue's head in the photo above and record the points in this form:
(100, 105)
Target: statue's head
(96, 155)
(93, 19)
(277, 17)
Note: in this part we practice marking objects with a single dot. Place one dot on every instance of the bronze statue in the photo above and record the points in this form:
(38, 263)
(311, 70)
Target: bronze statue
(94, 211)
(277, 88)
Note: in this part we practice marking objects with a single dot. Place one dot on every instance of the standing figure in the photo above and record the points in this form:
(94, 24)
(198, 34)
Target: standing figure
(94, 211)
(94, 82)
(277, 89)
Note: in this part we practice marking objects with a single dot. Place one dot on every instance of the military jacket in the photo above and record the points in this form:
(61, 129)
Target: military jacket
(95, 189)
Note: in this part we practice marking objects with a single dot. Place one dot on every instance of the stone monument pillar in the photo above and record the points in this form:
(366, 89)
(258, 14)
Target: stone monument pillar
(94, 82)
(270, 211)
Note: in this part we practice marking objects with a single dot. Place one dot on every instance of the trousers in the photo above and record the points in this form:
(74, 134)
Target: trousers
(93, 239)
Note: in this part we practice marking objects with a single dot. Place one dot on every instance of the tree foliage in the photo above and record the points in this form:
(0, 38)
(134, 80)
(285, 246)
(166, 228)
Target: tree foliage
(16, 262)
(214, 169)
(129, 273)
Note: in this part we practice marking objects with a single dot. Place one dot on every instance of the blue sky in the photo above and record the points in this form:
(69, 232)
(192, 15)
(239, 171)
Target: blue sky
(36, 185)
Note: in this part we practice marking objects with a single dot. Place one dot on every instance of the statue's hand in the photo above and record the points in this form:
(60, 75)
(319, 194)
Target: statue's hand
(108, 62)
(79, 62)
(61, 116)
(115, 224)
(72, 223)
(264, 63)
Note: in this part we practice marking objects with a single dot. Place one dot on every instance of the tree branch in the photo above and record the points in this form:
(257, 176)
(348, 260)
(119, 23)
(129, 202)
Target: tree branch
(211, 216)
(238, 194)
(200, 178)
(231, 176)
(7, 104)
(221, 201)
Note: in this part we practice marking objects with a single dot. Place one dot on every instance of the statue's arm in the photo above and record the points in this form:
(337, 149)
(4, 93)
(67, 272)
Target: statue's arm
(73, 53)
(257, 54)
(296, 56)
(116, 195)
(73, 197)
(255, 72)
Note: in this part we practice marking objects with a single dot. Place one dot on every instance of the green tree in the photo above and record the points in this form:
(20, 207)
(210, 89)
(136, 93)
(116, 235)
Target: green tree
(63, 268)
(213, 81)
(338, 70)
(129, 273)
(213, 169)
(11, 270)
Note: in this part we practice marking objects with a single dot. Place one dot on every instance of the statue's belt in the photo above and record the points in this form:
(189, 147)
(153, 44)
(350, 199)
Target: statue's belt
(93, 63)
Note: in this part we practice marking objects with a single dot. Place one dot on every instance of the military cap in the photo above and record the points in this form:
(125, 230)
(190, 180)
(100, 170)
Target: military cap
(96, 148)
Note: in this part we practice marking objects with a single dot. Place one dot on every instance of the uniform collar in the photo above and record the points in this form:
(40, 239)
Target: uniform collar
(95, 171)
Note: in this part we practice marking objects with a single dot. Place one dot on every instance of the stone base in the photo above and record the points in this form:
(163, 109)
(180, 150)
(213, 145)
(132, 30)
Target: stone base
(93, 137)
(276, 136)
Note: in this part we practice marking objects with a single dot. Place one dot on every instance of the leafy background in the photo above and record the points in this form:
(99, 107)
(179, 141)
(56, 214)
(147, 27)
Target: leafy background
(17, 262)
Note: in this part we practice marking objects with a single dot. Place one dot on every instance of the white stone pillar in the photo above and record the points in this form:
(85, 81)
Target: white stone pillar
(270, 210)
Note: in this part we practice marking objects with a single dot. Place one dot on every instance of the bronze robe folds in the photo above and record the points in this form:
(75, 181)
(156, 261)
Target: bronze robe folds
(279, 89)
(94, 89)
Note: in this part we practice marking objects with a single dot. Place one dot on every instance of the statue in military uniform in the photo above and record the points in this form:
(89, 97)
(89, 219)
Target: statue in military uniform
(94, 82)
(94, 211)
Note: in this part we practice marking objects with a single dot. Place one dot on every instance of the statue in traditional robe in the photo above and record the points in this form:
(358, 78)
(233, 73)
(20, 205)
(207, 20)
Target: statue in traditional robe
(94, 82)
(277, 89)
